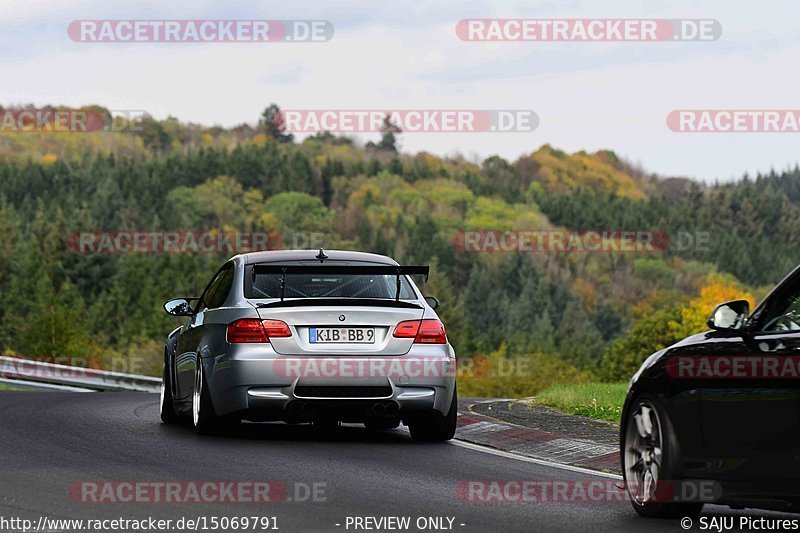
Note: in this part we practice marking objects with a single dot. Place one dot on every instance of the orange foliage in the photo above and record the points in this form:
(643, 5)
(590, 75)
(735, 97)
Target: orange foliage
(559, 171)
(717, 289)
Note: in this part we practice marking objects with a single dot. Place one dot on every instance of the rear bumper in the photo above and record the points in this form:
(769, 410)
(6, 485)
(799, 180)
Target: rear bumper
(293, 409)
(259, 384)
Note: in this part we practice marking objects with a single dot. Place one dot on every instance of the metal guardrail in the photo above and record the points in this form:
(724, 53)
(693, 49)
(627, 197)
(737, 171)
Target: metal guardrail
(30, 372)
(22, 385)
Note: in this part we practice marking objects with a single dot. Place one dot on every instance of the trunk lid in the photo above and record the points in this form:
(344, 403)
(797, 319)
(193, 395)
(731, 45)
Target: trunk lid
(314, 319)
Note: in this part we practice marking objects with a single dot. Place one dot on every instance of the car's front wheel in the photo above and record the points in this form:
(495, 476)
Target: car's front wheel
(434, 427)
(651, 462)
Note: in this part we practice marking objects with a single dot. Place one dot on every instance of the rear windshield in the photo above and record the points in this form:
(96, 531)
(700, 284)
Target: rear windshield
(330, 286)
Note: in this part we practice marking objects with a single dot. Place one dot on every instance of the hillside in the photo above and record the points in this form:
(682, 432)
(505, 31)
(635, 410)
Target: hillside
(566, 308)
(601, 172)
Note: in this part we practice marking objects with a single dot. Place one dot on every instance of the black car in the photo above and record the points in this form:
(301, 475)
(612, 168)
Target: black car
(716, 417)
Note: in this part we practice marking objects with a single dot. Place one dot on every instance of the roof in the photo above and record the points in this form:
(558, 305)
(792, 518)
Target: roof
(281, 256)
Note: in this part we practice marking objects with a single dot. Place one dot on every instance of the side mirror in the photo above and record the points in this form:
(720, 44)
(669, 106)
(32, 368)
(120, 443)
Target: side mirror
(729, 316)
(179, 307)
(432, 301)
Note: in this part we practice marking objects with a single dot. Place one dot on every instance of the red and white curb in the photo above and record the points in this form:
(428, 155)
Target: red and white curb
(550, 447)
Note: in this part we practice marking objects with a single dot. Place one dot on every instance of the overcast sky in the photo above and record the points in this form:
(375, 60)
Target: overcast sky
(405, 55)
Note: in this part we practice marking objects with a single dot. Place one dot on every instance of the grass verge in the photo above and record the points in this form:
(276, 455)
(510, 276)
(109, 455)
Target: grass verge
(499, 376)
(597, 400)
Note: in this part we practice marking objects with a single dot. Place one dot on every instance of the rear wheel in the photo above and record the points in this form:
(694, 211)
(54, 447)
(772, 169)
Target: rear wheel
(651, 462)
(434, 427)
(204, 418)
(167, 409)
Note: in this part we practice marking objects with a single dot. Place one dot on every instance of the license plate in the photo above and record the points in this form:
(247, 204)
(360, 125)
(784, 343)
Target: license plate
(342, 335)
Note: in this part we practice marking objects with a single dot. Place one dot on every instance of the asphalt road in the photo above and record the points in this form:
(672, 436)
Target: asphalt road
(51, 441)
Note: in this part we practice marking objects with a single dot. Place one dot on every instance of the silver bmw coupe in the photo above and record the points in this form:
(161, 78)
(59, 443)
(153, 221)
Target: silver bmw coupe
(307, 336)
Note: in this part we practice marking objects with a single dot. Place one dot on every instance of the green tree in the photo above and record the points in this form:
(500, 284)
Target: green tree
(297, 211)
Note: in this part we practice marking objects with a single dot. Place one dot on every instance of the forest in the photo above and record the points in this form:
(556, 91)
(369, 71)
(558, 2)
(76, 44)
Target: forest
(519, 320)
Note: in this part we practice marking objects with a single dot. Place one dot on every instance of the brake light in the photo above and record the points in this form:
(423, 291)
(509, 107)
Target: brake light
(431, 332)
(428, 331)
(277, 328)
(255, 330)
(407, 329)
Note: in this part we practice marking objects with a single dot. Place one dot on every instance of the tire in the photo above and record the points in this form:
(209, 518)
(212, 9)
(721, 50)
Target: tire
(651, 462)
(204, 418)
(433, 427)
(166, 407)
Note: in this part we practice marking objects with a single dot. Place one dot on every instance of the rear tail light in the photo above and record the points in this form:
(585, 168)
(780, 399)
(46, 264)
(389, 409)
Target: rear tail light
(431, 332)
(428, 331)
(255, 330)
(247, 330)
(407, 329)
(277, 328)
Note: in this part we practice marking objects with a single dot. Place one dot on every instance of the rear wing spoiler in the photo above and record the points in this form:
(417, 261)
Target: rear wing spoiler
(333, 269)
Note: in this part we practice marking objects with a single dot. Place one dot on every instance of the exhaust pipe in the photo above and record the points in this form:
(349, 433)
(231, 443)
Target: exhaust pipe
(392, 409)
(385, 409)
